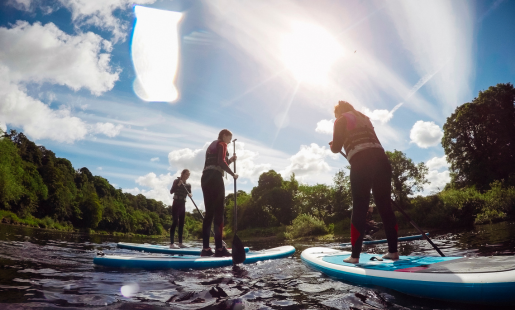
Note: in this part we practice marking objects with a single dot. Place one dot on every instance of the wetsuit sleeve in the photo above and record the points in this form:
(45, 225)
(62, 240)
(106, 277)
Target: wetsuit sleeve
(338, 134)
(222, 150)
(188, 187)
(174, 187)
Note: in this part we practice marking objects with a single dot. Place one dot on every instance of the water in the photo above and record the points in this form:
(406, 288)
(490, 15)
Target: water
(44, 269)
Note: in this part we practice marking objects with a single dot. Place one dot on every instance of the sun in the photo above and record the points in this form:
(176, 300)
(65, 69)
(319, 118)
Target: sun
(309, 52)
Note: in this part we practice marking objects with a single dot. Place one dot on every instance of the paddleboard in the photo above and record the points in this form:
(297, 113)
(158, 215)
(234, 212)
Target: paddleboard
(183, 262)
(407, 238)
(155, 248)
(486, 280)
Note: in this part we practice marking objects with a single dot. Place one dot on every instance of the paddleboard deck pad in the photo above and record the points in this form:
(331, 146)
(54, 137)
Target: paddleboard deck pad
(188, 261)
(155, 248)
(407, 238)
(487, 280)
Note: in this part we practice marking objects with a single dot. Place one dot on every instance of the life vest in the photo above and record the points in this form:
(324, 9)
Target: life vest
(180, 192)
(360, 134)
(212, 156)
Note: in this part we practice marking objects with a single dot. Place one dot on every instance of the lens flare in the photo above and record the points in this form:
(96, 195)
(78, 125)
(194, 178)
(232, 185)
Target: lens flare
(155, 53)
(129, 290)
(309, 52)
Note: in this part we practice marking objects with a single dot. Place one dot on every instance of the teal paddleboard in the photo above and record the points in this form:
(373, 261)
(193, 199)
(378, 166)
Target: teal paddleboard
(407, 238)
(485, 280)
(187, 261)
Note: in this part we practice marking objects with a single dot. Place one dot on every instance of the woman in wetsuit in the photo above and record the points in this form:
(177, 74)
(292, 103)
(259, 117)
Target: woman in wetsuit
(180, 195)
(370, 170)
(217, 162)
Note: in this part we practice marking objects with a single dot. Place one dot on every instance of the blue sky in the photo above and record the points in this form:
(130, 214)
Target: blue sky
(270, 71)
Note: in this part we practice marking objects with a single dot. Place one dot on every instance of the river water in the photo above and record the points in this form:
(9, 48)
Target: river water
(42, 269)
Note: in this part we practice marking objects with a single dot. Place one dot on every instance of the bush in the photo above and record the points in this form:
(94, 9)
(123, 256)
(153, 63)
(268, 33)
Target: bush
(305, 225)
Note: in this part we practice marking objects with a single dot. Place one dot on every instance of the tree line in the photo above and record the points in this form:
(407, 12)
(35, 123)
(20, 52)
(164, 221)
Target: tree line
(479, 142)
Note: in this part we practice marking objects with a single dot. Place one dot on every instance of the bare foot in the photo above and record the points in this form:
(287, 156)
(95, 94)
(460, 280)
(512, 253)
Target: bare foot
(392, 256)
(351, 260)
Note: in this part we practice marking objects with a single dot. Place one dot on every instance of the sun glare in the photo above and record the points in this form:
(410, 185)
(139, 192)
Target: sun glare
(155, 53)
(309, 52)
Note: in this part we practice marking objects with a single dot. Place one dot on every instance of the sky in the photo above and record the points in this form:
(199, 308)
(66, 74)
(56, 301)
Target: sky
(136, 90)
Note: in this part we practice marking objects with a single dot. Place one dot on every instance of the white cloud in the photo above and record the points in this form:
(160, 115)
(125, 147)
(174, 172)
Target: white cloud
(426, 134)
(39, 54)
(99, 13)
(99, 168)
(437, 180)
(37, 119)
(381, 116)
(3, 126)
(308, 161)
(159, 187)
(436, 163)
(108, 129)
(325, 126)
(153, 159)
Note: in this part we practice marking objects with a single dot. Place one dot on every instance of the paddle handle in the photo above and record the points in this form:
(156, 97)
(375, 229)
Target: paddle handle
(212, 232)
(411, 222)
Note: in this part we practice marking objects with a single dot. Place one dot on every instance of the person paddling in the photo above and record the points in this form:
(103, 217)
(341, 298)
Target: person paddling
(370, 170)
(179, 206)
(217, 161)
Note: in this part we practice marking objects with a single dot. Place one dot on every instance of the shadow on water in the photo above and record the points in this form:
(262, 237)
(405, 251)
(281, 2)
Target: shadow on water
(46, 269)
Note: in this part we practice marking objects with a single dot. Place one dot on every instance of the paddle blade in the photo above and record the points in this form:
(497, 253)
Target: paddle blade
(238, 251)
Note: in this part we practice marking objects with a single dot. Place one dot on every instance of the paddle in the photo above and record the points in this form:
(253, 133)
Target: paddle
(225, 244)
(238, 250)
(411, 222)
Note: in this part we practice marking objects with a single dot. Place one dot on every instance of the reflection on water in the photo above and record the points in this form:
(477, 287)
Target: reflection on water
(49, 269)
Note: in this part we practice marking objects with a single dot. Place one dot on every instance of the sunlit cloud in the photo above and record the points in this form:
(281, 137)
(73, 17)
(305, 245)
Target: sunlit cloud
(325, 126)
(155, 53)
(425, 134)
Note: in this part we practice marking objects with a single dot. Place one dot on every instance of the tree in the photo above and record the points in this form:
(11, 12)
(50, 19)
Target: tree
(479, 139)
(407, 178)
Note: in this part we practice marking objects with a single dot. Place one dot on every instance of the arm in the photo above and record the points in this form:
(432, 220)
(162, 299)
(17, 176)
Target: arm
(174, 187)
(338, 134)
(222, 150)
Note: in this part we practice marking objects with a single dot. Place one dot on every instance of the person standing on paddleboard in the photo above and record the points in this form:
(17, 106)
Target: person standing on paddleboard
(370, 169)
(179, 206)
(217, 162)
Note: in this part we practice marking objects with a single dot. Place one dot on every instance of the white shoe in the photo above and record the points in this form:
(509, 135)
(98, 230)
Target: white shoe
(173, 246)
(182, 246)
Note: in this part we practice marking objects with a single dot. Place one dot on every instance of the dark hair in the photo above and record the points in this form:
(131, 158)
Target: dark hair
(344, 107)
(223, 133)
(184, 171)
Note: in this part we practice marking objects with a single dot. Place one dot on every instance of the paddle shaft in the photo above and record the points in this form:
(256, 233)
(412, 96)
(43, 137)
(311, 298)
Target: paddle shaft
(225, 244)
(235, 194)
(411, 221)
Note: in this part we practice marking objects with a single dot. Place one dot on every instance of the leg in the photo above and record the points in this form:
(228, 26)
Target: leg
(175, 219)
(361, 183)
(181, 215)
(207, 190)
(219, 213)
(381, 190)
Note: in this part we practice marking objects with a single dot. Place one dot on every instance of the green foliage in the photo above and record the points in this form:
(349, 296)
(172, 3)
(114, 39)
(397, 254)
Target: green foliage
(41, 190)
(479, 139)
(407, 177)
(305, 225)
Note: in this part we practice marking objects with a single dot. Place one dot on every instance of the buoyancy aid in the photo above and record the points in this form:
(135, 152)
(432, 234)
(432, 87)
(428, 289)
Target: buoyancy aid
(212, 157)
(359, 133)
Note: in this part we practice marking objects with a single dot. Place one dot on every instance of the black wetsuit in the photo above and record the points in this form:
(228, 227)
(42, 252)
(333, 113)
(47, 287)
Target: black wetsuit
(178, 208)
(213, 189)
(370, 170)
